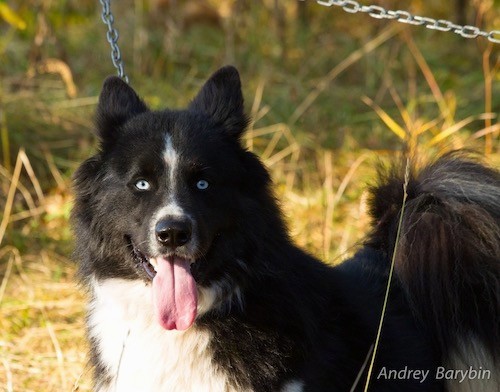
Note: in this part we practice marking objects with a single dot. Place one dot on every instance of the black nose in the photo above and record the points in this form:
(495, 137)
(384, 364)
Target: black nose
(173, 233)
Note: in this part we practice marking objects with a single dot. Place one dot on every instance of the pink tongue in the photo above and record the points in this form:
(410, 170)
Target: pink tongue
(174, 294)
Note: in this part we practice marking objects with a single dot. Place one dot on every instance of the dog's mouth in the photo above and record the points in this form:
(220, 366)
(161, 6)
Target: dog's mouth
(174, 290)
(142, 260)
(150, 264)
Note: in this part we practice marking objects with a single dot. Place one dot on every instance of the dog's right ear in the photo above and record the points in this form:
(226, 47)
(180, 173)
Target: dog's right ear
(118, 103)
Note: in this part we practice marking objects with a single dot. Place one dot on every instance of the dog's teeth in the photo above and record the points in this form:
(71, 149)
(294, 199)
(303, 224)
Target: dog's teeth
(154, 263)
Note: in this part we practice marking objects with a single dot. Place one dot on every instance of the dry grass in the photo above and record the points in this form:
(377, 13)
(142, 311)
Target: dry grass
(42, 346)
(42, 340)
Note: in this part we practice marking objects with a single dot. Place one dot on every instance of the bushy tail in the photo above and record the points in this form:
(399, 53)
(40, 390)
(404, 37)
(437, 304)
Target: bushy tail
(448, 256)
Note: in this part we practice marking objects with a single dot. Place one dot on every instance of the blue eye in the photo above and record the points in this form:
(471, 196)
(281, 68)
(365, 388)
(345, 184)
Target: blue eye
(202, 185)
(143, 185)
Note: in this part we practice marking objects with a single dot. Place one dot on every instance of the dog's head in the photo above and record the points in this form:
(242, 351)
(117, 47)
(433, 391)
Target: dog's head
(172, 196)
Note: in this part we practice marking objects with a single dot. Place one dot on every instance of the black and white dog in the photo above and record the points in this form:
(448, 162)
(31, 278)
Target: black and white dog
(195, 285)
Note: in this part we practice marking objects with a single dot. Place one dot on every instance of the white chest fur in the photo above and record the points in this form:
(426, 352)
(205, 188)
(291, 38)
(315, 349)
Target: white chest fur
(140, 354)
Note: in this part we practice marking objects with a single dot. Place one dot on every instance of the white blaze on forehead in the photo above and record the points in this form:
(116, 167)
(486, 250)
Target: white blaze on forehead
(171, 158)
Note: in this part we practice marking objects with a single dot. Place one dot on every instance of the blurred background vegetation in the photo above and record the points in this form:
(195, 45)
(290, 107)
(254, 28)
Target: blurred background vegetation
(331, 94)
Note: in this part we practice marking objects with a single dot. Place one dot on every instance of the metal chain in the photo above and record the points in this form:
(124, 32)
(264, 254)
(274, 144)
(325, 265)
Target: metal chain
(378, 12)
(112, 37)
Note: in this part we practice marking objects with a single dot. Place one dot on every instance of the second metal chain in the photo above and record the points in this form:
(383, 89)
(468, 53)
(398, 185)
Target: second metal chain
(112, 37)
(378, 12)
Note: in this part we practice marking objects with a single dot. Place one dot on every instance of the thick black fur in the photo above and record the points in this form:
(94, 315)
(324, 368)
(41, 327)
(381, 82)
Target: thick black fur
(299, 319)
(450, 248)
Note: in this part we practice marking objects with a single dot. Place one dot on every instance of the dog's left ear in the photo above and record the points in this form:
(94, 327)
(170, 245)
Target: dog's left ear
(221, 98)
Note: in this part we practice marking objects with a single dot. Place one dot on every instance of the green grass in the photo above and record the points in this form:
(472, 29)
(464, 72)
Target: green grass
(329, 96)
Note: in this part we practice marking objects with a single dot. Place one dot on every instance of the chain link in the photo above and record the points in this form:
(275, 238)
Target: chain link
(378, 12)
(112, 37)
